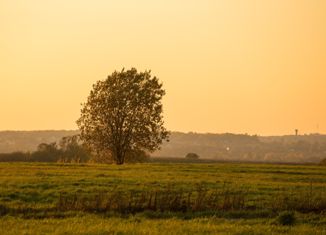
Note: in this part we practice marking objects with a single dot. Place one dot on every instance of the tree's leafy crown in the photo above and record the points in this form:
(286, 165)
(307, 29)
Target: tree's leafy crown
(124, 113)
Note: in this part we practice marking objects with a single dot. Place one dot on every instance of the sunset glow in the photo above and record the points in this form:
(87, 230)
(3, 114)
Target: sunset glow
(256, 67)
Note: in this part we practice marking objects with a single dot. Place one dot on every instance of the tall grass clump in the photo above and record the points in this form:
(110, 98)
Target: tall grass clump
(303, 201)
(166, 200)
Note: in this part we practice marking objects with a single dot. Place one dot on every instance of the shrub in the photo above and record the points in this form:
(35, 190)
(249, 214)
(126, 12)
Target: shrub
(323, 162)
(136, 156)
(286, 218)
(192, 156)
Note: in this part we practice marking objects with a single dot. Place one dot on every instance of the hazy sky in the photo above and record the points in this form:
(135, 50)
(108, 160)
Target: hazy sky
(242, 66)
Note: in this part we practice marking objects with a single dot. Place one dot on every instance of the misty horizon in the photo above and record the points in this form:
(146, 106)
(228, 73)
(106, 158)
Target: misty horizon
(178, 131)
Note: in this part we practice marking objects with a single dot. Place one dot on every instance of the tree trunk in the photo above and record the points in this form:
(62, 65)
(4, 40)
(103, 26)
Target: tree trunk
(119, 157)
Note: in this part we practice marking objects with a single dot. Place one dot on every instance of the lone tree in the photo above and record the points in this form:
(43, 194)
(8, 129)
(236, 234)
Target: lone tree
(123, 115)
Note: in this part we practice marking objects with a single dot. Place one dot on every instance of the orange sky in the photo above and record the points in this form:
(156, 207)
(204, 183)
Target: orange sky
(256, 67)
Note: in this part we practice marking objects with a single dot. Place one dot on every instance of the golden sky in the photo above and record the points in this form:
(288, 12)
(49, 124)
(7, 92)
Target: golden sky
(241, 66)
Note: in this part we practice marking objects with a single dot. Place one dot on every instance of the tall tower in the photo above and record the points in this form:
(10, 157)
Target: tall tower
(296, 132)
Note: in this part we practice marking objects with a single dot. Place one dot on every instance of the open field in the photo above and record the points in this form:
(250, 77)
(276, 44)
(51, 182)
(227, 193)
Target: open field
(221, 198)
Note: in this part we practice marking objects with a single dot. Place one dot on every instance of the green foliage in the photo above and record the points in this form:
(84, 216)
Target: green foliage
(286, 218)
(123, 114)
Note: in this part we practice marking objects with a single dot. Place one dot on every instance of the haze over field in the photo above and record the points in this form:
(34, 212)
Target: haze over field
(220, 147)
(142, 116)
(256, 67)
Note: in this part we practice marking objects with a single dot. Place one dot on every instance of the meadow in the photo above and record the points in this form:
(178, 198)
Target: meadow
(162, 198)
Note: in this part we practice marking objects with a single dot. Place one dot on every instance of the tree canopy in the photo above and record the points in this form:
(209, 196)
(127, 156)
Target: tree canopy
(123, 115)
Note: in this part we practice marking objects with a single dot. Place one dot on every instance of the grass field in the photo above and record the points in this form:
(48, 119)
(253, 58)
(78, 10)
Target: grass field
(250, 198)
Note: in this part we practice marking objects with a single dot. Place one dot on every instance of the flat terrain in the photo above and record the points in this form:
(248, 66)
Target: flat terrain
(37, 198)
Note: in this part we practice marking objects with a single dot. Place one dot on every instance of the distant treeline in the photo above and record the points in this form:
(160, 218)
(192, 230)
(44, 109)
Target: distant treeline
(28, 141)
(68, 150)
(234, 147)
(221, 147)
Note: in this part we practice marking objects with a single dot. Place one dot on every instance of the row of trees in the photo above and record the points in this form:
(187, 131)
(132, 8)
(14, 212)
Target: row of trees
(67, 150)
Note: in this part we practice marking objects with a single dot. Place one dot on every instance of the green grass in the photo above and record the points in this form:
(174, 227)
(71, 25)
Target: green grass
(31, 191)
(92, 224)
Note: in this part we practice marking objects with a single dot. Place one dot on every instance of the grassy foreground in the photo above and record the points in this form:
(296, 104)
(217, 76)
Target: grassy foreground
(138, 225)
(29, 195)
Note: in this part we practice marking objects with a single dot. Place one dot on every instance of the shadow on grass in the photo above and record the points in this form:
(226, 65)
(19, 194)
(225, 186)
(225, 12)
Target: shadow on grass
(53, 213)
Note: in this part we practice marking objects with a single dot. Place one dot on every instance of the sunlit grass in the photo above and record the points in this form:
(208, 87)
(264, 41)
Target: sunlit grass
(92, 224)
(38, 186)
